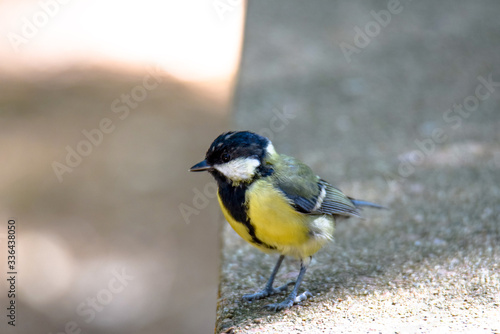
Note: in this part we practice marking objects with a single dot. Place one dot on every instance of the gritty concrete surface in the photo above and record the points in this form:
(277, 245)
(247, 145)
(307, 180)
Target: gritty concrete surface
(386, 127)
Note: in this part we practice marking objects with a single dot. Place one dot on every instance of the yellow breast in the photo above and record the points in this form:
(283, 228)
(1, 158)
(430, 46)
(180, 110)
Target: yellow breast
(278, 224)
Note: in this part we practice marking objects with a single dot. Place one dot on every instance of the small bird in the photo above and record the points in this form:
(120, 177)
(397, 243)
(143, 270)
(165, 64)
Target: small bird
(276, 203)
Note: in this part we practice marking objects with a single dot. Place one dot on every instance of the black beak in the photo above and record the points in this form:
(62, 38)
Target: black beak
(200, 167)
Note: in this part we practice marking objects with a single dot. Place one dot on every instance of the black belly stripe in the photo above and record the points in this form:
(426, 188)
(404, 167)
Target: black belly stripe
(233, 198)
(251, 231)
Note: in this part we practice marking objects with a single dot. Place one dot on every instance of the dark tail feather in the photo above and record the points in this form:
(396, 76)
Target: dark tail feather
(358, 203)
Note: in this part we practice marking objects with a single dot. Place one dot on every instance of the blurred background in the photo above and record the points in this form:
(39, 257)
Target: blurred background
(104, 105)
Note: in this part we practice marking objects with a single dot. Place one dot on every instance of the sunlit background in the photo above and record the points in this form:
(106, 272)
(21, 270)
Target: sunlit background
(193, 40)
(104, 105)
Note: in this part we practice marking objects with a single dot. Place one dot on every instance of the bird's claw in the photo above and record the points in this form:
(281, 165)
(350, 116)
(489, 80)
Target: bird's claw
(267, 292)
(287, 303)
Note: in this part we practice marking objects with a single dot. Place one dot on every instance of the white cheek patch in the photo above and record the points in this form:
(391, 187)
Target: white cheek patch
(241, 169)
(270, 149)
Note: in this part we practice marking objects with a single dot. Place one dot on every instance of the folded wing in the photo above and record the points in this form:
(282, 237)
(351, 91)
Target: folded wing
(308, 193)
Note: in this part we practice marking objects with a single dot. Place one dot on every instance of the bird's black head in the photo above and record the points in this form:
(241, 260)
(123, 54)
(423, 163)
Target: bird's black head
(238, 156)
(233, 145)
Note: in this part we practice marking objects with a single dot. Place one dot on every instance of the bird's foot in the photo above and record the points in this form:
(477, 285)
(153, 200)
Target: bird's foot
(289, 302)
(266, 292)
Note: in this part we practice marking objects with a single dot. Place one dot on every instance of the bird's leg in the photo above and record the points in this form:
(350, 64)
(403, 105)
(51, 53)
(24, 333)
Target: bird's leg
(293, 298)
(269, 290)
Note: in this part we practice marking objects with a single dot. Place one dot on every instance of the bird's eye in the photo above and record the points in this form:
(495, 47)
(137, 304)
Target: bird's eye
(225, 157)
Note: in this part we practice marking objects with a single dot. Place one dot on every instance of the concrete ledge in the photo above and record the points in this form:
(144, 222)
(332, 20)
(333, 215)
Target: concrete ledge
(376, 276)
(379, 128)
